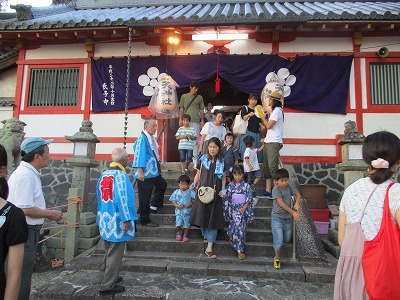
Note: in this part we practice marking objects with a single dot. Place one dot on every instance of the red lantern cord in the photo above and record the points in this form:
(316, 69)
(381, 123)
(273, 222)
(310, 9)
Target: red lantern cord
(217, 80)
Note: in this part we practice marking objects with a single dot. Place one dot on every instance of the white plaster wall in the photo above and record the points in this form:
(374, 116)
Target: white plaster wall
(308, 150)
(107, 148)
(316, 45)
(6, 113)
(61, 148)
(189, 47)
(121, 49)
(249, 46)
(112, 125)
(373, 44)
(8, 81)
(379, 121)
(315, 125)
(51, 125)
(57, 52)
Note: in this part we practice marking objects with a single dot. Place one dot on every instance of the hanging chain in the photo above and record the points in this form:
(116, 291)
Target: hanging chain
(128, 77)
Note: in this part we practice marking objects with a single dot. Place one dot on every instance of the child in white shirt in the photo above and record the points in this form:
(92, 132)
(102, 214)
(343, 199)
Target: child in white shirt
(250, 163)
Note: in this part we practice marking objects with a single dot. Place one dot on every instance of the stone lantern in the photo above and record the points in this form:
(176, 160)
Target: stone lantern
(85, 220)
(83, 159)
(352, 163)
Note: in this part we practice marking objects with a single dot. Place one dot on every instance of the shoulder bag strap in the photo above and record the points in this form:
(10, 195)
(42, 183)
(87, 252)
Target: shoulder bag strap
(363, 211)
(7, 208)
(190, 103)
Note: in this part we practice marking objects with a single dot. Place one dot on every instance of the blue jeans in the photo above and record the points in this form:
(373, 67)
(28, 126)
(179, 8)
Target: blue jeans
(185, 155)
(209, 234)
(281, 231)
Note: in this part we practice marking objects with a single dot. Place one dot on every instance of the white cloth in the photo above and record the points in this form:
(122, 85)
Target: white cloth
(355, 197)
(212, 130)
(275, 134)
(25, 190)
(251, 154)
(153, 143)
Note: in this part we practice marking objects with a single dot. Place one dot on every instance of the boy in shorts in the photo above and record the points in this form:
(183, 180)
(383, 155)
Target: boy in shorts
(182, 199)
(186, 136)
(250, 163)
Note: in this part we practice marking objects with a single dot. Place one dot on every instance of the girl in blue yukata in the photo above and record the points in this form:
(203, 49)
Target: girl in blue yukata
(238, 210)
(182, 199)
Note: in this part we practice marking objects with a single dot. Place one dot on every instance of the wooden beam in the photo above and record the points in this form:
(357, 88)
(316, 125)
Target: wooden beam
(386, 27)
(365, 27)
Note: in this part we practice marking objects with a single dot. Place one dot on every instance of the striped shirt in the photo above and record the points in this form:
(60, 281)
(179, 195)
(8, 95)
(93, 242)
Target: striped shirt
(186, 144)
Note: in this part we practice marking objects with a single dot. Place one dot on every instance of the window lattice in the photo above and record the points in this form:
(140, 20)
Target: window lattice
(54, 87)
(384, 83)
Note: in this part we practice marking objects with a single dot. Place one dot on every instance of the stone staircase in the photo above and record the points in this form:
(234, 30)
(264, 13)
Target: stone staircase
(330, 242)
(155, 250)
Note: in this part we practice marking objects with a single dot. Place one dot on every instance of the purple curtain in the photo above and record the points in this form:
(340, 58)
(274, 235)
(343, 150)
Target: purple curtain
(322, 82)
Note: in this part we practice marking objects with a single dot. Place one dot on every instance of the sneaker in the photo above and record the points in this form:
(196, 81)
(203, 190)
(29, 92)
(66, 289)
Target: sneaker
(267, 194)
(186, 239)
(153, 211)
(277, 263)
(115, 290)
(178, 237)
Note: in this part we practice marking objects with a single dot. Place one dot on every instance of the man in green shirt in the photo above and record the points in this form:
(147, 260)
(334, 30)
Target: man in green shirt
(193, 105)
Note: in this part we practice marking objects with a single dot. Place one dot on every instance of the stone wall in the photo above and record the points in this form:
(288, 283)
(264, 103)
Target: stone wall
(56, 180)
(322, 173)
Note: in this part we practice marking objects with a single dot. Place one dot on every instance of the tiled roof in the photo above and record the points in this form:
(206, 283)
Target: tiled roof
(62, 16)
(8, 57)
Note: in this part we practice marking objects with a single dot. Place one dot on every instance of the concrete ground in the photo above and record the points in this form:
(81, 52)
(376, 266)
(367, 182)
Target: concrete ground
(61, 283)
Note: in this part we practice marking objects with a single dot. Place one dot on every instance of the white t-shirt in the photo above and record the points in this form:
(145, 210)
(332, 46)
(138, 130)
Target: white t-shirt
(355, 197)
(251, 154)
(275, 134)
(211, 130)
(25, 190)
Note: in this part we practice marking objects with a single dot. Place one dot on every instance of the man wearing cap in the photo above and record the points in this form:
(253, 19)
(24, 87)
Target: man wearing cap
(25, 192)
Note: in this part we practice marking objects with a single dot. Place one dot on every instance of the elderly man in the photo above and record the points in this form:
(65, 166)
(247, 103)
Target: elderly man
(116, 215)
(26, 193)
(148, 173)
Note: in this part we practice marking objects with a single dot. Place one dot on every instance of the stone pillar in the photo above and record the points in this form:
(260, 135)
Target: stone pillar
(83, 159)
(72, 232)
(352, 163)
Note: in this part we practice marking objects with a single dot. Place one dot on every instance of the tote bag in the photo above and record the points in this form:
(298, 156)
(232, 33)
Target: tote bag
(240, 125)
(381, 259)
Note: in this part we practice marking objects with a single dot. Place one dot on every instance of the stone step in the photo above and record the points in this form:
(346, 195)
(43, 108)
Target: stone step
(333, 235)
(261, 211)
(253, 235)
(224, 265)
(172, 186)
(206, 267)
(331, 247)
(197, 246)
(169, 219)
(262, 201)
